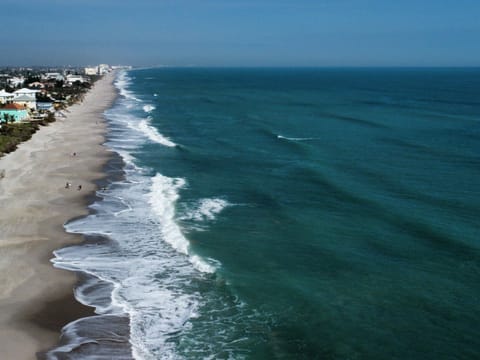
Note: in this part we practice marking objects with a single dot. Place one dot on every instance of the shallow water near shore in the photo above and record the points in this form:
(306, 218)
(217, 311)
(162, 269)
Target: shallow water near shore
(285, 213)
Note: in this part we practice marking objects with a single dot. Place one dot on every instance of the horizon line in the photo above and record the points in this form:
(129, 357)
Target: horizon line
(157, 66)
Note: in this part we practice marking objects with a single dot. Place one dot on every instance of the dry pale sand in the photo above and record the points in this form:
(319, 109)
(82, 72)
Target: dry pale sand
(36, 299)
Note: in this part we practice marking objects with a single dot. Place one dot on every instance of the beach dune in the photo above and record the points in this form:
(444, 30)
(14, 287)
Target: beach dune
(36, 300)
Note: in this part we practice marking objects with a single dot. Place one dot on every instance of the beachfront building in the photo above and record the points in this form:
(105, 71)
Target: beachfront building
(53, 76)
(74, 78)
(15, 111)
(26, 101)
(26, 98)
(27, 92)
(6, 97)
(91, 70)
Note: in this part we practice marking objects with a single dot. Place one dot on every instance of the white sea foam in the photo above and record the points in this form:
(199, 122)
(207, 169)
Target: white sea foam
(163, 196)
(142, 131)
(154, 135)
(133, 122)
(149, 246)
(295, 139)
(127, 157)
(122, 82)
(206, 209)
(148, 108)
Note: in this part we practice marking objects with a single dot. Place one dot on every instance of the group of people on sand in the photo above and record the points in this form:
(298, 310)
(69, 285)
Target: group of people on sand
(69, 185)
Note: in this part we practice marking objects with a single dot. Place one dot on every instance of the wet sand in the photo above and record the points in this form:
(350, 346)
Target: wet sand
(36, 300)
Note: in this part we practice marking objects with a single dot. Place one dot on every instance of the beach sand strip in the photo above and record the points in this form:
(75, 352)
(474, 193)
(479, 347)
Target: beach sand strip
(36, 300)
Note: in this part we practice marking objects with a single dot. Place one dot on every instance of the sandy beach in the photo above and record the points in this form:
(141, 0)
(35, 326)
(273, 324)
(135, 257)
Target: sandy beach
(36, 300)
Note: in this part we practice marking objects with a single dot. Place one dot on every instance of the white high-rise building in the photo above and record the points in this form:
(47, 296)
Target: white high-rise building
(91, 70)
(103, 69)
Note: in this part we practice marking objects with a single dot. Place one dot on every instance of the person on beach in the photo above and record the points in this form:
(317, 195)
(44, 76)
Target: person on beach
(67, 185)
(79, 187)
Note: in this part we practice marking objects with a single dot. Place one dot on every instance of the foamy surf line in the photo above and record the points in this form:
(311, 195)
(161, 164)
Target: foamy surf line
(163, 196)
(140, 125)
(136, 218)
(153, 134)
(168, 309)
(122, 82)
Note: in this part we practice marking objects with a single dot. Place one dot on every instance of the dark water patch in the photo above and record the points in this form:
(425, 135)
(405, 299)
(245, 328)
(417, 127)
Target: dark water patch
(455, 102)
(458, 209)
(335, 197)
(290, 340)
(377, 103)
(453, 118)
(353, 120)
(420, 102)
(438, 240)
(208, 100)
(325, 189)
(302, 105)
(431, 150)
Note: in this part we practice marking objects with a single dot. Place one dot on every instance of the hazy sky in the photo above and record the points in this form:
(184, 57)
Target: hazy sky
(241, 32)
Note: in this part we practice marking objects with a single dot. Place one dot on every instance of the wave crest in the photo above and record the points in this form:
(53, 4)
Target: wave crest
(206, 209)
(163, 197)
(153, 134)
(148, 108)
(294, 139)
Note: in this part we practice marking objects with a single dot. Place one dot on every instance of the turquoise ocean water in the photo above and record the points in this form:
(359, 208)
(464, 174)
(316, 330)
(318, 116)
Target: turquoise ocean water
(289, 214)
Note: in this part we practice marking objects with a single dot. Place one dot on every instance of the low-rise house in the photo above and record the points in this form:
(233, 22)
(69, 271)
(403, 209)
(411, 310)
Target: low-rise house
(26, 101)
(27, 92)
(6, 97)
(13, 111)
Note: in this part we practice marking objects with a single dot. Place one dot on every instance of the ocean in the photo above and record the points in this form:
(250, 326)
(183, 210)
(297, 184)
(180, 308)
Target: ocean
(284, 214)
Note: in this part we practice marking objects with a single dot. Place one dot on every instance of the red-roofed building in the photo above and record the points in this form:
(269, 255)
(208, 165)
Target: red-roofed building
(14, 106)
(17, 111)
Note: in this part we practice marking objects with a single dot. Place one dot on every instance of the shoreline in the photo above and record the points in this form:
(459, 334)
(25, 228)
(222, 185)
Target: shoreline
(36, 299)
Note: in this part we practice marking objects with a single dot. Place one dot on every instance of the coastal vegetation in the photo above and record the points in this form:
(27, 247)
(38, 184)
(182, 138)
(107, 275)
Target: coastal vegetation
(12, 134)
